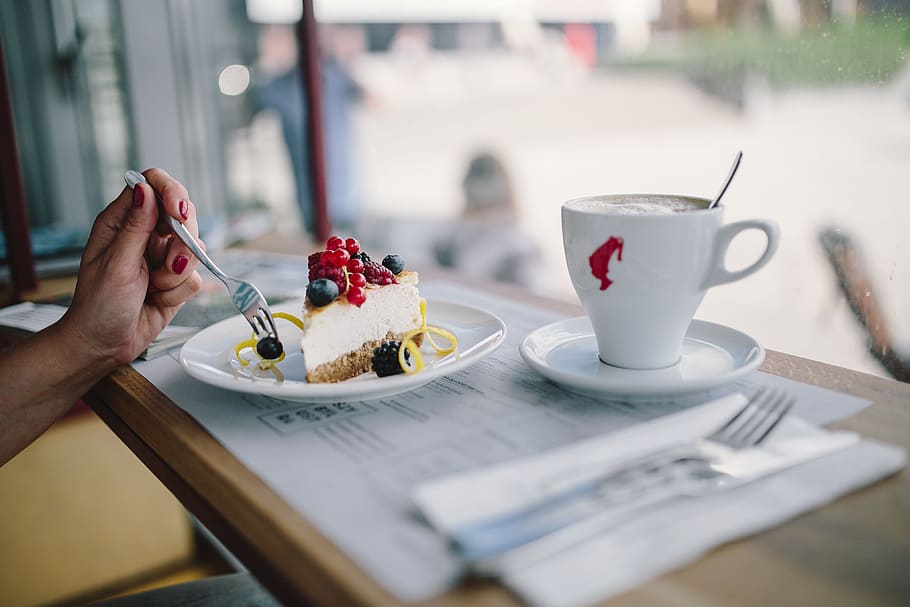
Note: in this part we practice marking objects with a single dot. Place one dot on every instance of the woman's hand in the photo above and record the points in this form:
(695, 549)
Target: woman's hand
(135, 274)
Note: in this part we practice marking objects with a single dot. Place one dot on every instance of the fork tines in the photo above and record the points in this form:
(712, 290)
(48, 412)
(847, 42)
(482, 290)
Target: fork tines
(756, 420)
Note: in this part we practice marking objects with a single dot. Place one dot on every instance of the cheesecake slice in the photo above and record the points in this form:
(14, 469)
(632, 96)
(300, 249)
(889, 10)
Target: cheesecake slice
(339, 338)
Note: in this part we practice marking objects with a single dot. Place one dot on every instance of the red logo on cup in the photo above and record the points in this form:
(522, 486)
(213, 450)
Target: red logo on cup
(600, 260)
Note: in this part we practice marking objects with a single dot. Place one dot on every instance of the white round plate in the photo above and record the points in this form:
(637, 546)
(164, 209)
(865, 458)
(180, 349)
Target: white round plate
(209, 357)
(712, 355)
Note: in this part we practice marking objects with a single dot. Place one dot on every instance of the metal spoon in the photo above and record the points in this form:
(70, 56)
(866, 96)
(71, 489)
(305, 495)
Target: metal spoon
(716, 201)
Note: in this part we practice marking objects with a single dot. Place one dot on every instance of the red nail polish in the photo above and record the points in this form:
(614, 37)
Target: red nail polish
(184, 210)
(180, 264)
(138, 196)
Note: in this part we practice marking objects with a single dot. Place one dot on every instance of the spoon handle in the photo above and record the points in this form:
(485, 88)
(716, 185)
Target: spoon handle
(716, 201)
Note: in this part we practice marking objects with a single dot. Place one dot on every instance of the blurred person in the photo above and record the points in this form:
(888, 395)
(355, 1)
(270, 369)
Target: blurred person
(133, 278)
(488, 241)
(283, 93)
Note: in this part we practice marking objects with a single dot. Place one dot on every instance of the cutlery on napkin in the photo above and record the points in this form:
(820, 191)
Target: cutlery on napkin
(810, 467)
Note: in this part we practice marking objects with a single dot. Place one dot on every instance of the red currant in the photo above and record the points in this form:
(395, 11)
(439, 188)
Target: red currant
(334, 242)
(352, 245)
(357, 279)
(326, 258)
(355, 265)
(356, 295)
(339, 258)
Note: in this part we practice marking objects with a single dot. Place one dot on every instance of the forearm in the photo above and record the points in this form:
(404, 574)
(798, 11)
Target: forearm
(41, 378)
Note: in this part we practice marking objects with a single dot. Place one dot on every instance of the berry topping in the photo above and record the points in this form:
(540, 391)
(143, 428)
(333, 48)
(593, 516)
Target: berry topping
(352, 245)
(355, 265)
(314, 259)
(334, 274)
(356, 295)
(339, 258)
(333, 243)
(362, 256)
(385, 359)
(269, 347)
(320, 292)
(377, 274)
(357, 279)
(394, 263)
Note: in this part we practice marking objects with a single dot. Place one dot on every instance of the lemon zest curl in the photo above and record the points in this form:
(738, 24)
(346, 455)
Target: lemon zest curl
(409, 346)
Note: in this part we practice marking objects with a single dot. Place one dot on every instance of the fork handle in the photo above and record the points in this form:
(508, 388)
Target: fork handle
(134, 178)
(483, 539)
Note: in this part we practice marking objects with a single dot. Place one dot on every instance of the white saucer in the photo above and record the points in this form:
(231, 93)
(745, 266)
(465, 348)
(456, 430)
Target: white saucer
(209, 357)
(712, 355)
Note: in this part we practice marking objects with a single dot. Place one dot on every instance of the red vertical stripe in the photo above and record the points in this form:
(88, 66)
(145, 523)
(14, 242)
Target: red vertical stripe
(308, 39)
(12, 195)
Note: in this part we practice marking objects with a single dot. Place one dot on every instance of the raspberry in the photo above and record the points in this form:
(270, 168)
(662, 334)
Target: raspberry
(334, 242)
(356, 295)
(378, 274)
(334, 274)
(314, 259)
(385, 359)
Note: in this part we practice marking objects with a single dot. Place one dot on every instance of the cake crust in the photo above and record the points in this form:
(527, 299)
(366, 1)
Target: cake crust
(353, 363)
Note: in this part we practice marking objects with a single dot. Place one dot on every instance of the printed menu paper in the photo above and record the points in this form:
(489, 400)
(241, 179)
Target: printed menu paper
(350, 467)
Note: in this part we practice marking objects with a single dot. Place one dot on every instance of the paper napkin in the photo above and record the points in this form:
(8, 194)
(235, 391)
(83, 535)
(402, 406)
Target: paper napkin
(661, 538)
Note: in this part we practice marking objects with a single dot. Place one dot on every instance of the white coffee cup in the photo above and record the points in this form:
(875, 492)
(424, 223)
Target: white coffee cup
(642, 270)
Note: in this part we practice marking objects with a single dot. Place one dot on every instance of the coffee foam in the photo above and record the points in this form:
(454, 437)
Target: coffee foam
(638, 205)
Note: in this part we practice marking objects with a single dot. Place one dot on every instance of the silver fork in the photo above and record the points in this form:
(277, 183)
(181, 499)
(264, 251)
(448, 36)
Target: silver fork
(689, 469)
(248, 299)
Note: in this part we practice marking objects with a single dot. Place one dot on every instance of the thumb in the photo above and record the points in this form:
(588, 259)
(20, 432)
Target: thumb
(138, 223)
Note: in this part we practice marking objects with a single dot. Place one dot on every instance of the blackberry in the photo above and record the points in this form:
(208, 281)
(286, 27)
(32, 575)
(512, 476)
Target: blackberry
(378, 274)
(321, 292)
(394, 263)
(385, 359)
(362, 256)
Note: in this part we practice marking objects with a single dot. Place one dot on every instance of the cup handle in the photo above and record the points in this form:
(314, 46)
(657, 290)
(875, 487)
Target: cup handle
(719, 274)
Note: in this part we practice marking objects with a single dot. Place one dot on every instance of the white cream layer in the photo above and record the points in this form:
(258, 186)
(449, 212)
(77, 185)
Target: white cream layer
(341, 327)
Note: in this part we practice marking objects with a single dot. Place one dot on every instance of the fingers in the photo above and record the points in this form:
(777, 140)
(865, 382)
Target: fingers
(128, 230)
(177, 295)
(175, 200)
(107, 224)
(176, 203)
(173, 266)
(157, 249)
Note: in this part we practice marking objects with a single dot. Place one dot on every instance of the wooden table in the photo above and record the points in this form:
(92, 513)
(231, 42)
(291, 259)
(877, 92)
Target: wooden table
(855, 551)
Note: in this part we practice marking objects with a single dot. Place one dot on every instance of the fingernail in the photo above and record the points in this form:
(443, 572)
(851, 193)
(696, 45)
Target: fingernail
(138, 196)
(180, 264)
(184, 209)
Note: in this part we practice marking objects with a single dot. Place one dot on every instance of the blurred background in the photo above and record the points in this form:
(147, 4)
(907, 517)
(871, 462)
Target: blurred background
(455, 129)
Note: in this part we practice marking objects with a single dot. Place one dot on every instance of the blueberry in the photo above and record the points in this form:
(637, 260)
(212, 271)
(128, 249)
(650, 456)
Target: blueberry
(322, 292)
(269, 348)
(394, 263)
